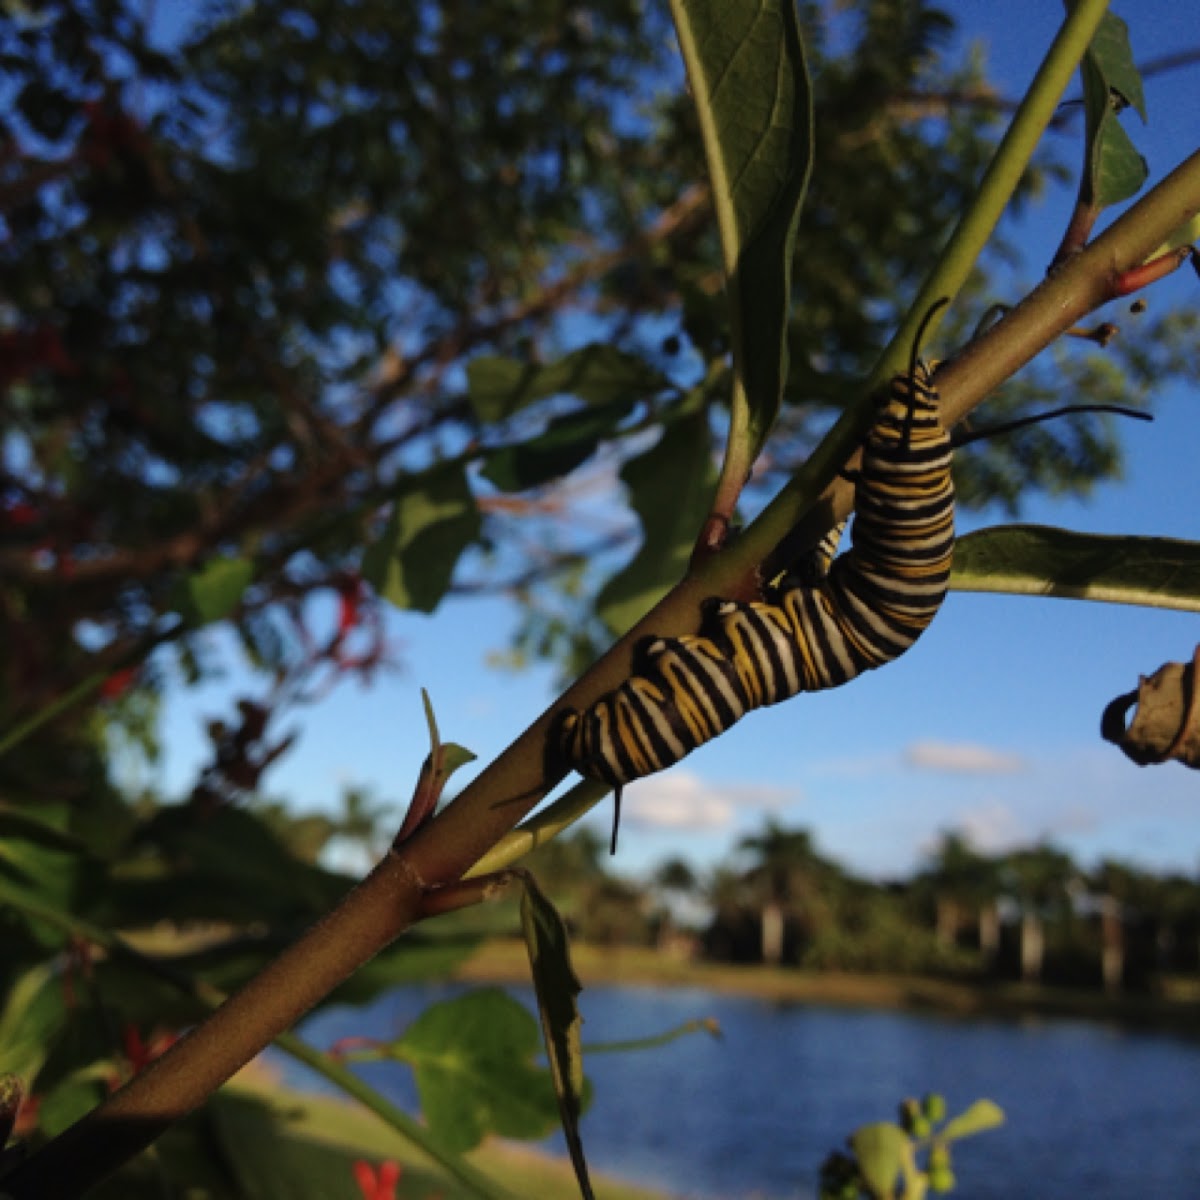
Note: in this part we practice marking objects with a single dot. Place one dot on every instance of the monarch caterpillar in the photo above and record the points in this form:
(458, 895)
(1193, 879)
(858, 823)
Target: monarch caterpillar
(819, 629)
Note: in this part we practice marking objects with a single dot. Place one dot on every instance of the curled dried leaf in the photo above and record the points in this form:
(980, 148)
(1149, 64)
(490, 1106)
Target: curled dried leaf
(1166, 724)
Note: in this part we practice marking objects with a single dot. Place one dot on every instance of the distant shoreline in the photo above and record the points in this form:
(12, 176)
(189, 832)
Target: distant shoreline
(504, 961)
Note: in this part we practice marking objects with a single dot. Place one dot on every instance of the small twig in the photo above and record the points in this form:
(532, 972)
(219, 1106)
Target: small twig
(964, 437)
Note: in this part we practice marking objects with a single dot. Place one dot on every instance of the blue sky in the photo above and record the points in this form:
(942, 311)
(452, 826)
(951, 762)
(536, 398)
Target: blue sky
(989, 726)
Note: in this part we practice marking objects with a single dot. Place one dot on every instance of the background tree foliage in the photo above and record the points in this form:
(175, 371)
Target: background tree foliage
(371, 298)
(287, 282)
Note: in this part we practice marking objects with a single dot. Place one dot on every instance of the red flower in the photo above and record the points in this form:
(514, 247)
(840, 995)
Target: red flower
(377, 1186)
(18, 514)
(118, 683)
(142, 1053)
(350, 598)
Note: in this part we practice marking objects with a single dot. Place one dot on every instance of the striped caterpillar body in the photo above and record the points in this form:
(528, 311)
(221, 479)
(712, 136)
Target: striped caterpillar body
(856, 611)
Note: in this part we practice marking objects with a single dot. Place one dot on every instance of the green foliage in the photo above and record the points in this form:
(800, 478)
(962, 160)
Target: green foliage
(884, 1158)
(212, 593)
(474, 1063)
(430, 526)
(557, 988)
(1113, 169)
(597, 374)
(748, 75)
(301, 306)
(670, 487)
(566, 442)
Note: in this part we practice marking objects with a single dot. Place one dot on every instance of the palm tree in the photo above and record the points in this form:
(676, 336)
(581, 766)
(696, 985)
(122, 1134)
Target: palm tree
(788, 878)
(1116, 887)
(676, 884)
(1039, 879)
(963, 881)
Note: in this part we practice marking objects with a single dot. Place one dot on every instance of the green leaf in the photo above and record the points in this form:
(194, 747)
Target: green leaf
(36, 863)
(670, 486)
(16, 823)
(474, 1062)
(598, 374)
(450, 756)
(1112, 56)
(214, 591)
(557, 987)
(69, 1100)
(881, 1150)
(979, 1117)
(1118, 169)
(432, 522)
(746, 67)
(227, 865)
(1038, 560)
(34, 1013)
(440, 763)
(1186, 235)
(559, 449)
(1114, 170)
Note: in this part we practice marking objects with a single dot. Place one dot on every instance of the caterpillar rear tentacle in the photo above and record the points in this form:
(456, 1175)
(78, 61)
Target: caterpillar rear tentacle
(834, 618)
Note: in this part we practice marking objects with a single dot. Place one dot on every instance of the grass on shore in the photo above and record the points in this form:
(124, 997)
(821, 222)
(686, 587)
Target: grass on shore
(1178, 1005)
(342, 1126)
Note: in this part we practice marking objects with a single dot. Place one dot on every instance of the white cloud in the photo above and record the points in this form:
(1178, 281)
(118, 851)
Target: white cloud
(680, 800)
(993, 828)
(858, 766)
(963, 757)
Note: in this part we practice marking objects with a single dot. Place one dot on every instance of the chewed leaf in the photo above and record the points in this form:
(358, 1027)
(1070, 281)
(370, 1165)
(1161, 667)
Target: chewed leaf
(1038, 560)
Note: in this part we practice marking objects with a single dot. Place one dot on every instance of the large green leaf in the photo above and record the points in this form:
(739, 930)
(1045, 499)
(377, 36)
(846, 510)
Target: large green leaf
(749, 81)
(1114, 170)
(475, 1064)
(598, 374)
(669, 486)
(433, 520)
(557, 987)
(1038, 560)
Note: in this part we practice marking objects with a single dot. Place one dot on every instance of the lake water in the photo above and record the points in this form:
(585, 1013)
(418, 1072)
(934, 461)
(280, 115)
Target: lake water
(1093, 1111)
